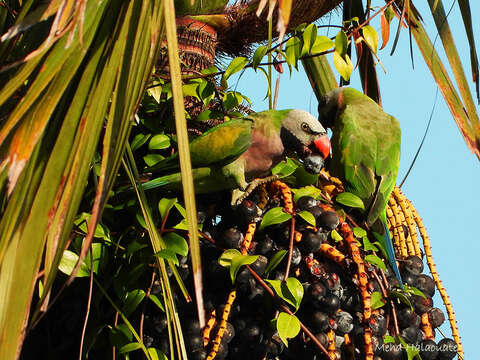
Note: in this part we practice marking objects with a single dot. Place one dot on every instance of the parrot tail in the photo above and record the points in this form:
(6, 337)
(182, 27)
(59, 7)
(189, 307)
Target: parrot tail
(390, 252)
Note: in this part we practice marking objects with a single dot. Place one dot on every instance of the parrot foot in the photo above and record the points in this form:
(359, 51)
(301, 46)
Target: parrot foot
(238, 195)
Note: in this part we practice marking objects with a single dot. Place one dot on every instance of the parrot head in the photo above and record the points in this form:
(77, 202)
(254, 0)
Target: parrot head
(328, 106)
(302, 133)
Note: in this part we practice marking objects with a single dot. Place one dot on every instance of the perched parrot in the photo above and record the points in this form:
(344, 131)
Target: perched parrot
(365, 154)
(231, 155)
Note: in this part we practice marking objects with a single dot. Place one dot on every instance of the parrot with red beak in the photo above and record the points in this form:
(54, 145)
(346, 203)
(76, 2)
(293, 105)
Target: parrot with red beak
(233, 154)
(365, 155)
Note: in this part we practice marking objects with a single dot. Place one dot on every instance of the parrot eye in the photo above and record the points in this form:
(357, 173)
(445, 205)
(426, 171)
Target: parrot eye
(306, 128)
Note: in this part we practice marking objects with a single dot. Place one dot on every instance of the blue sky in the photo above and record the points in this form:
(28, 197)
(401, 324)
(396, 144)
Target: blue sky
(443, 185)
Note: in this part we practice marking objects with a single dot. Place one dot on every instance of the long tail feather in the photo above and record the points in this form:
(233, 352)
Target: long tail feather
(390, 252)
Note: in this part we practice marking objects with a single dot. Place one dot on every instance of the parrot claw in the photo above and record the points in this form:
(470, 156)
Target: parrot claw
(238, 195)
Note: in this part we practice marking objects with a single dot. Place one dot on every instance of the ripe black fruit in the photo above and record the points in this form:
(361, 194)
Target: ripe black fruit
(407, 317)
(247, 211)
(344, 322)
(316, 293)
(412, 335)
(329, 220)
(422, 304)
(319, 321)
(447, 349)
(413, 264)
(409, 278)
(229, 333)
(296, 256)
(274, 346)
(305, 203)
(311, 242)
(330, 303)
(252, 332)
(159, 323)
(428, 350)
(193, 342)
(436, 317)
(378, 324)
(232, 238)
(425, 284)
(198, 355)
(264, 246)
(259, 265)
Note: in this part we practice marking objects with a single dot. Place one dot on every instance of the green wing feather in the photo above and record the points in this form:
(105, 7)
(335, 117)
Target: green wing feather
(366, 151)
(216, 147)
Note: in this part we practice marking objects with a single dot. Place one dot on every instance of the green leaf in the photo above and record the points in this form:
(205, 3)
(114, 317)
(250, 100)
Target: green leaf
(295, 288)
(159, 142)
(400, 295)
(232, 99)
(288, 326)
(176, 243)
(156, 301)
(413, 290)
(309, 37)
(210, 70)
(206, 91)
(377, 300)
(264, 72)
(152, 159)
(238, 262)
(274, 261)
(167, 255)
(274, 216)
(283, 292)
(120, 335)
(389, 13)
(180, 209)
(100, 231)
(341, 43)
(292, 51)
(370, 36)
(133, 299)
(141, 220)
(165, 205)
(236, 65)
(258, 56)
(350, 200)
(190, 90)
(312, 191)
(68, 262)
(336, 236)
(284, 168)
(156, 354)
(343, 65)
(387, 339)
(321, 44)
(129, 347)
(139, 140)
(225, 259)
(308, 217)
(375, 260)
(359, 232)
(367, 245)
(205, 115)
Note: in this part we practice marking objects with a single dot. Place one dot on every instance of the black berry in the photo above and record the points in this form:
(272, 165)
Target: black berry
(425, 284)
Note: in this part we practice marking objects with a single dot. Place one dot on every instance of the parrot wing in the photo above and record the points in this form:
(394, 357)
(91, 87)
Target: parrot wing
(366, 154)
(216, 147)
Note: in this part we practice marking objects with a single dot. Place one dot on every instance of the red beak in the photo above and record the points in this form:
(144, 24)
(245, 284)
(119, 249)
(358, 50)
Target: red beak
(323, 145)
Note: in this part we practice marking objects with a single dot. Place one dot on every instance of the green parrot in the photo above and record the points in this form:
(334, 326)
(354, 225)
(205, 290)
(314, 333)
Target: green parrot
(365, 154)
(231, 155)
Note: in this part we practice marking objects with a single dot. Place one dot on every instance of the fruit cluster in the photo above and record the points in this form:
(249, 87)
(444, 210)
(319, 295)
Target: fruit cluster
(350, 308)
